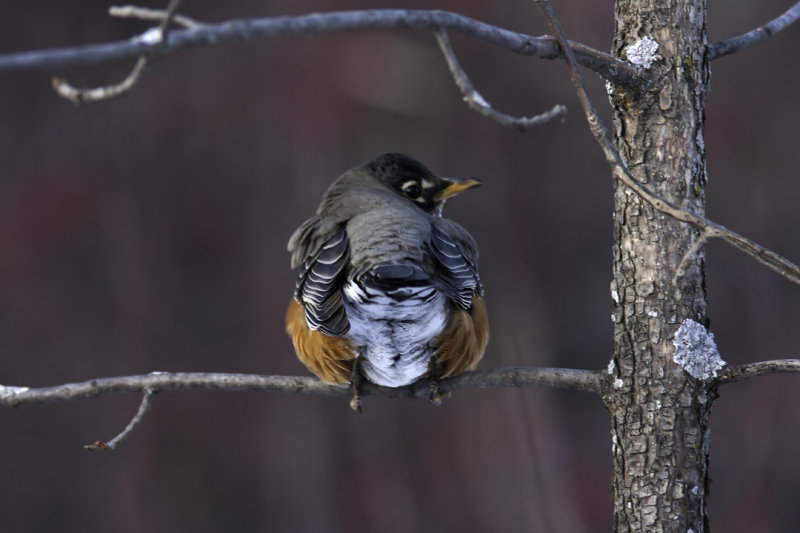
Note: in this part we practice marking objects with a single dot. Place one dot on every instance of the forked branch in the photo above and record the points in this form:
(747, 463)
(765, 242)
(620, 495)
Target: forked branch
(585, 380)
(149, 384)
(708, 228)
(144, 408)
(544, 47)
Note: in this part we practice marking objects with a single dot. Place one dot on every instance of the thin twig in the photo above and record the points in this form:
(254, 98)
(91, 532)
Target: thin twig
(97, 94)
(585, 380)
(156, 37)
(144, 13)
(544, 47)
(741, 372)
(144, 408)
(756, 36)
(477, 102)
(710, 229)
(690, 254)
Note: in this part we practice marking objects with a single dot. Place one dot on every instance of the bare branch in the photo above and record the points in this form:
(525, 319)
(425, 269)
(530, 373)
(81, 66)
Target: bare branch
(477, 102)
(585, 380)
(144, 408)
(777, 263)
(708, 228)
(544, 47)
(144, 13)
(741, 372)
(158, 36)
(756, 36)
(711, 230)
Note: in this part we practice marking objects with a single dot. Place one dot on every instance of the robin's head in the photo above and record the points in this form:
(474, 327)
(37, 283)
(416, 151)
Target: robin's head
(413, 180)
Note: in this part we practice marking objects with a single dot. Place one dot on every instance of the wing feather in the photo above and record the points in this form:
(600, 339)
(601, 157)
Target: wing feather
(457, 255)
(320, 282)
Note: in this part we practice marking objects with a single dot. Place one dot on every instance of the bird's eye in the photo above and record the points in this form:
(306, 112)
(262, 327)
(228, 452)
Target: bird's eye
(412, 189)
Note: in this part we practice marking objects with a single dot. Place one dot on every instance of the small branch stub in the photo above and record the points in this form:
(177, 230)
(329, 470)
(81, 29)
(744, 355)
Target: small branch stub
(761, 368)
(151, 37)
(696, 352)
(143, 13)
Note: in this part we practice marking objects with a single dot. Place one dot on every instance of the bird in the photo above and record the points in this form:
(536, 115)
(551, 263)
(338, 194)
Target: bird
(388, 290)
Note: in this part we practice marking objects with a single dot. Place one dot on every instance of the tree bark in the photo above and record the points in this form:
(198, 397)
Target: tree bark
(659, 413)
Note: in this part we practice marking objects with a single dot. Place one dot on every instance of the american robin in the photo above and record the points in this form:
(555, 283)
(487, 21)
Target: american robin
(388, 289)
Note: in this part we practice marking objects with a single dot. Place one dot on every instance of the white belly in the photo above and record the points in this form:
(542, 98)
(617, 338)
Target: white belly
(392, 332)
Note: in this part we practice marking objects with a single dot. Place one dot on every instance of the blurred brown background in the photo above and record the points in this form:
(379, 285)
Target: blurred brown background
(149, 233)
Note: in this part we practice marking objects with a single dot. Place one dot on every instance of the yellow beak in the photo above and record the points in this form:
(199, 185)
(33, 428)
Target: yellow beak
(455, 186)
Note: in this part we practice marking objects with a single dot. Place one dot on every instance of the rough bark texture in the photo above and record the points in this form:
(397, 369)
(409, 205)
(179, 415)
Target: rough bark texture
(660, 432)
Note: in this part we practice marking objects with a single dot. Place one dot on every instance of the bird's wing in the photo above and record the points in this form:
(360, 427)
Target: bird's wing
(456, 253)
(319, 284)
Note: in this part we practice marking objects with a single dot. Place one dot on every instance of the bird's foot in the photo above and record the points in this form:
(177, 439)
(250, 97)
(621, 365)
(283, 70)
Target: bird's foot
(355, 383)
(433, 393)
(435, 374)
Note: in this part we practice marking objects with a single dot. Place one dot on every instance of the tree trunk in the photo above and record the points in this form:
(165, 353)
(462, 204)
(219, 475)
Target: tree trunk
(659, 413)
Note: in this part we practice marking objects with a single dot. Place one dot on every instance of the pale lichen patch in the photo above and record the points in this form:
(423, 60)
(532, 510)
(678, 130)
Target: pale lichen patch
(695, 350)
(642, 53)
